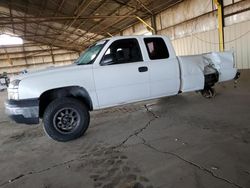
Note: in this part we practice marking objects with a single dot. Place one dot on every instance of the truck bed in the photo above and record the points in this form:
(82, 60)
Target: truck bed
(195, 68)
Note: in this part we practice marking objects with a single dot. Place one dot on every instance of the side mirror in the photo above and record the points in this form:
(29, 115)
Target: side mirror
(107, 60)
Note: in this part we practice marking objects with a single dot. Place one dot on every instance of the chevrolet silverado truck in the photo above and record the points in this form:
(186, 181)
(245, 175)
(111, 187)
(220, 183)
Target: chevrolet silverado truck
(112, 72)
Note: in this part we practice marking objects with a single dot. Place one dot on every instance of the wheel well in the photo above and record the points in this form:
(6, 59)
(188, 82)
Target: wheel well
(75, 92)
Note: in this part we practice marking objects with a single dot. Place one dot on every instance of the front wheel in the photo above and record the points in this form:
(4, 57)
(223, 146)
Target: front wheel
(66, 119)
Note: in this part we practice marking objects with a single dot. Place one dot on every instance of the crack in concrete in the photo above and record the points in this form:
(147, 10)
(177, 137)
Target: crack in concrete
(136, 133)
(144, 142)
(46, 169)
(174, 154)
(189, 162)
(148, 110)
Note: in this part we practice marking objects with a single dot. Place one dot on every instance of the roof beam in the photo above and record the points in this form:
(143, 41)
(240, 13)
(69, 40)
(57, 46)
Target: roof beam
(145, 7)
(11, 16)
(55, 14)
(127, 5)
(36, 8)
(101, 4)
(85, 5)
(117, 21)
(100, 22)
(53, 19)
(40, 12)
(73, 47)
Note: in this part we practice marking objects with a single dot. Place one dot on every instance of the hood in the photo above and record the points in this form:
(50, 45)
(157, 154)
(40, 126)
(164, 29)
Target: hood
(49, 70)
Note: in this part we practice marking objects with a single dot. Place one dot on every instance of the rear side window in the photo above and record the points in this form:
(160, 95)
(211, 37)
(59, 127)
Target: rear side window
(156, 48)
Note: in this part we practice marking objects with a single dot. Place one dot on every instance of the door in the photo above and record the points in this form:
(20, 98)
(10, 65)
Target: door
(164, 69)
(122, 76)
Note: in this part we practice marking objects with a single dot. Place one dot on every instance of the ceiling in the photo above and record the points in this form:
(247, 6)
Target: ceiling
(73, 24)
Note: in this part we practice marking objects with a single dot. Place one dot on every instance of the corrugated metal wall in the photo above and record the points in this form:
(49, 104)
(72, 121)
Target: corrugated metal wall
(197, 43)
(192, 27)
(33, 56)
(237, 38)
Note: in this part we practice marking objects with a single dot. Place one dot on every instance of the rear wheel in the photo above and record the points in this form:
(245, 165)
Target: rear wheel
(66, 119)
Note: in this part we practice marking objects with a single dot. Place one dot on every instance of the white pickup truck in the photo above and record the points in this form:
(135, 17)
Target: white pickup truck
(112, 72)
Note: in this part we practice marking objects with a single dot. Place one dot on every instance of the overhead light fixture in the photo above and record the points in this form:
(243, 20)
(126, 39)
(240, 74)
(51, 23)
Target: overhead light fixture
(97, 19)
(10, 40)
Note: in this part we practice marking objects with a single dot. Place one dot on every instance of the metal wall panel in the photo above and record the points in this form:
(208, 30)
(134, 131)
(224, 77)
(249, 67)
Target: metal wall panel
(17, 59)
(197, 43)
(192, 27)
(237, 38)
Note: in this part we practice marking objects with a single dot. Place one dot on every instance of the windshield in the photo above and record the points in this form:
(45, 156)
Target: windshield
(89, 55)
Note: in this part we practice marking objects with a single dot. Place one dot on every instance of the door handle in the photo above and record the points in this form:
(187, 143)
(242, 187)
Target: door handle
(143, 69)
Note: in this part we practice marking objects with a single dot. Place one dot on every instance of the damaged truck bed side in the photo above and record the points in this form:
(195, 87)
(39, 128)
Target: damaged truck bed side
(202, 72)
(112, 72)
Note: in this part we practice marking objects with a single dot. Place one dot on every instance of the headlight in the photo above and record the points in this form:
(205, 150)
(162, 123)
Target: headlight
(13, 90)
(14, 83)
(12, 95)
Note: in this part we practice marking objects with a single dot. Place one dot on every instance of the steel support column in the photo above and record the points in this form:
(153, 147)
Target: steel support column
(153, 23)
(220, 8)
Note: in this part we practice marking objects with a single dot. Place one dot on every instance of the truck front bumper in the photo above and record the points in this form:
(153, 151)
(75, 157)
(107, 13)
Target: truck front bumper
(23, 111)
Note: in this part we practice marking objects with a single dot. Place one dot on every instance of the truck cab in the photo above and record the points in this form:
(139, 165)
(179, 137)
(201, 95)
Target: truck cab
(133, 69)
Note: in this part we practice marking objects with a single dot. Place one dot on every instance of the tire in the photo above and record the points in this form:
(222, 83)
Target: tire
(66, 119)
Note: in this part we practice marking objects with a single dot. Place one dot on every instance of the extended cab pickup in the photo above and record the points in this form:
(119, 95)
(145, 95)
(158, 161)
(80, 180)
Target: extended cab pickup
(112, 72)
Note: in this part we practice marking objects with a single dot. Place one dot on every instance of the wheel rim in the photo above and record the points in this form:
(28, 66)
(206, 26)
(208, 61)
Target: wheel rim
(66, 120)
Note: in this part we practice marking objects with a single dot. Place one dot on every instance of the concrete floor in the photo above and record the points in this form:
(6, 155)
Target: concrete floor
(182, 141)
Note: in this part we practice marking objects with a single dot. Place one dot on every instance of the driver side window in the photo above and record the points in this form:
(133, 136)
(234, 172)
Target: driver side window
(122, 51)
